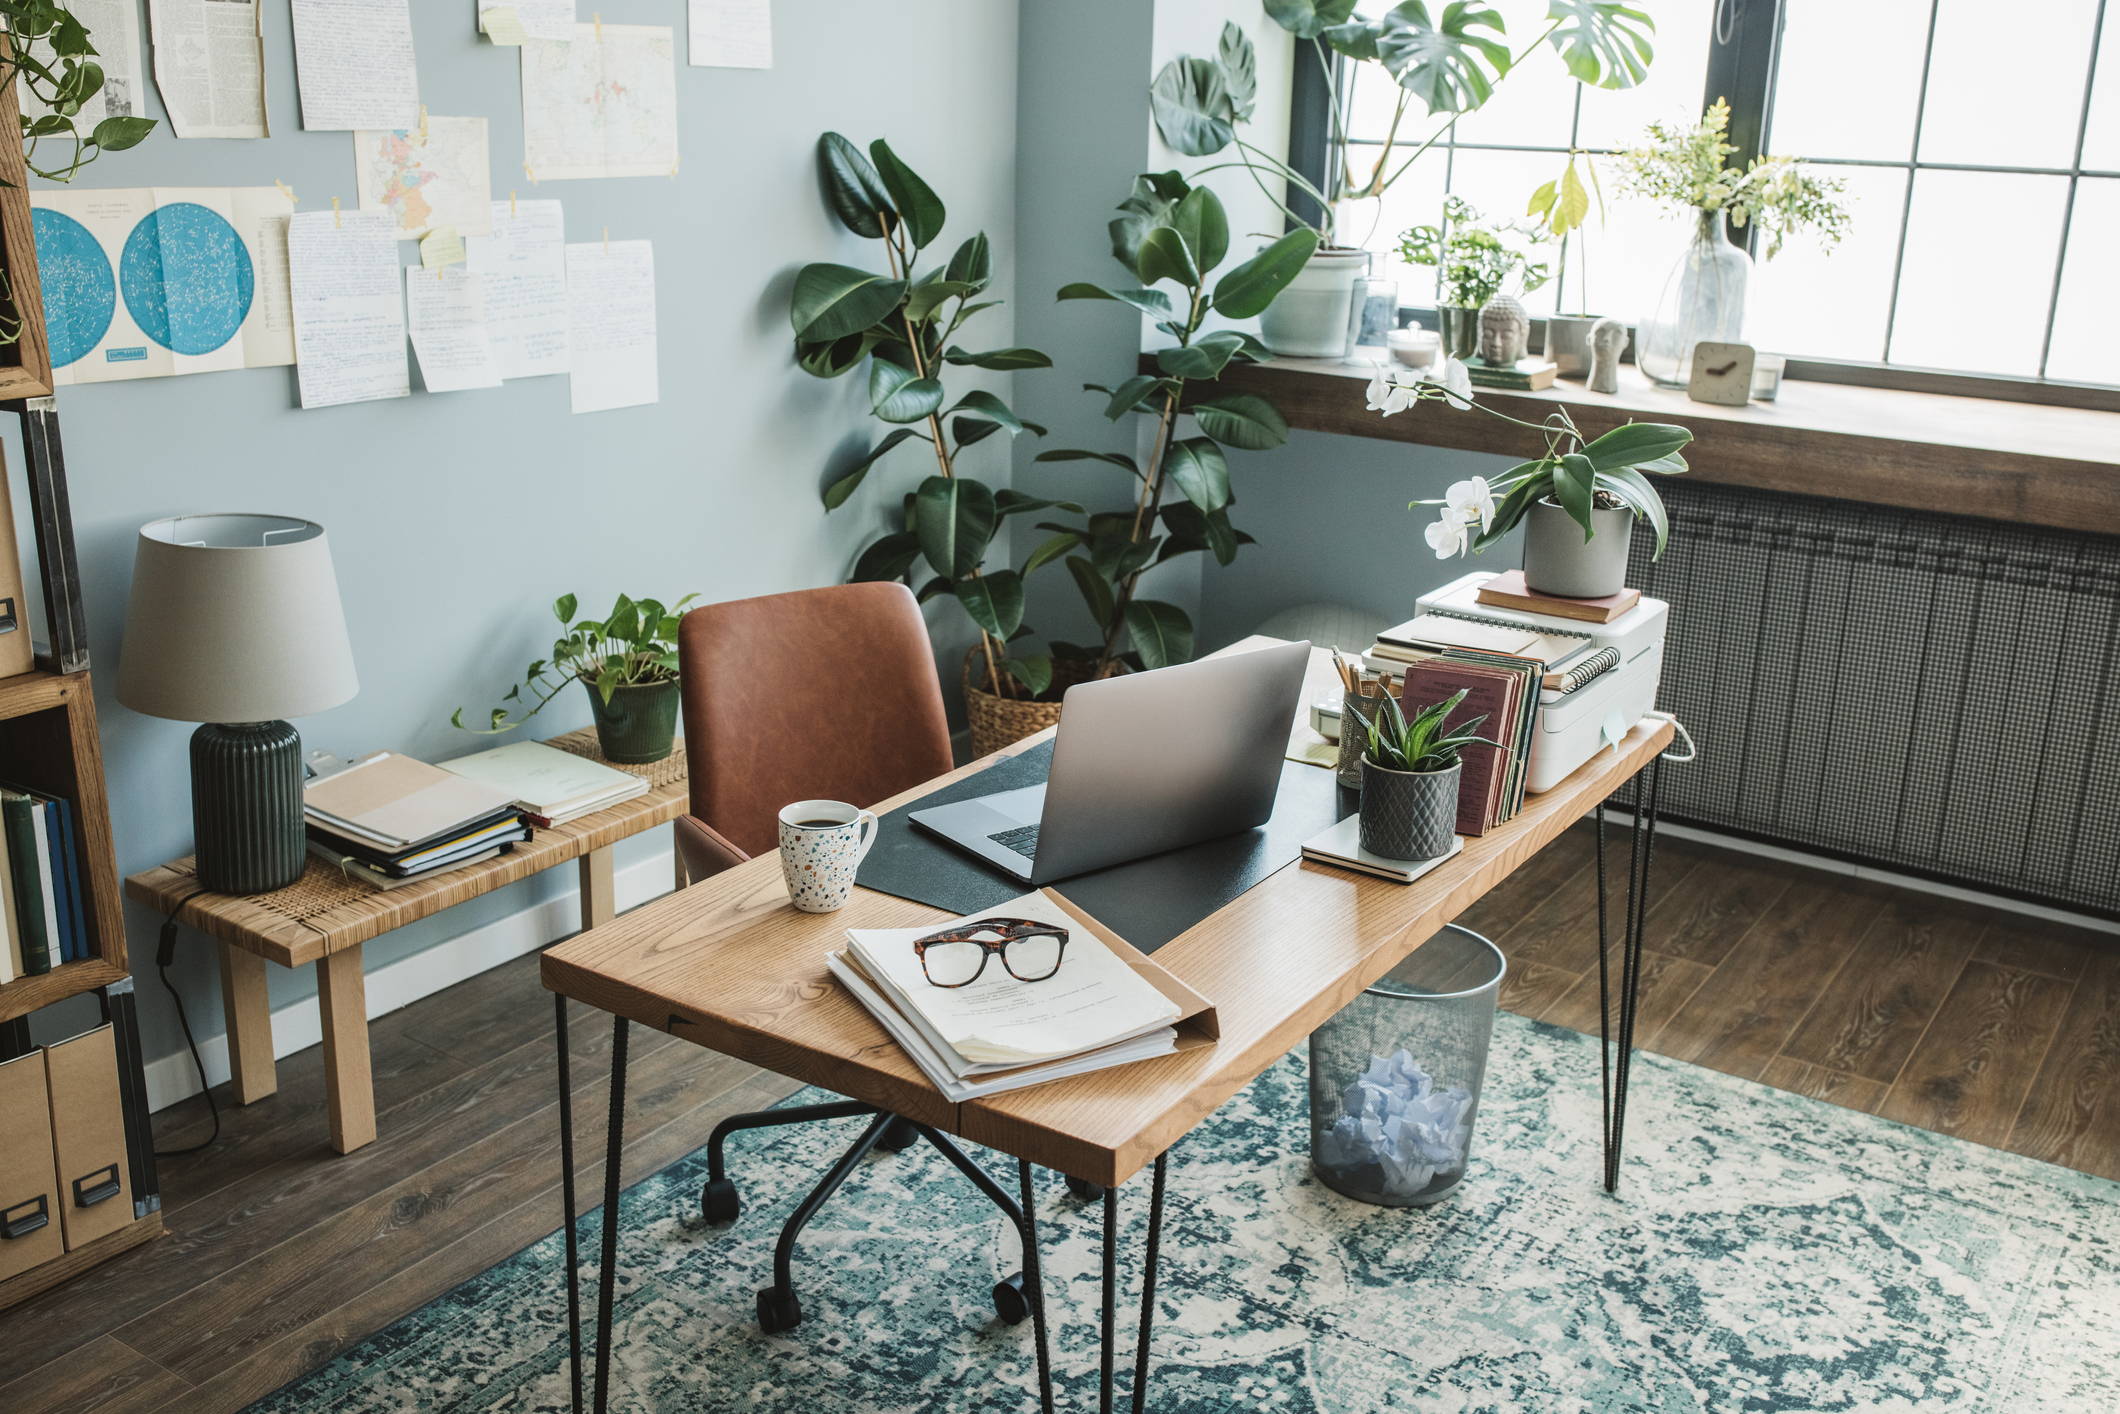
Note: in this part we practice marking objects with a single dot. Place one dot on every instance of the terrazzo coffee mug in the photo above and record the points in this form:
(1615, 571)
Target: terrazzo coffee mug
(821, 844)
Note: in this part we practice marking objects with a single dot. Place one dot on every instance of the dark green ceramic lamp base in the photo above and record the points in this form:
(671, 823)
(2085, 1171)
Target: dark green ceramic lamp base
(246, 806)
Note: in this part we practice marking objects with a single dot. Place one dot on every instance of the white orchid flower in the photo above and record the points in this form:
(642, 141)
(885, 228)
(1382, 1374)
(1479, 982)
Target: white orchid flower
(1471, 501)
(1447, 535)
(1387, 395)
(1455, 380)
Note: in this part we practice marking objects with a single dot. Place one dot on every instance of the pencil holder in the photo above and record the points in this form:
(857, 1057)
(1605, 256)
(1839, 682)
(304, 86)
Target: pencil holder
(1355, 714)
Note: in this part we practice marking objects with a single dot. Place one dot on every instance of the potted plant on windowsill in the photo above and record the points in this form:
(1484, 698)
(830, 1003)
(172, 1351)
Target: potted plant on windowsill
(1477, 262)
(628, 662)
(1578, 501)
(1562, 207)
(1411, 771)
(1449, 62)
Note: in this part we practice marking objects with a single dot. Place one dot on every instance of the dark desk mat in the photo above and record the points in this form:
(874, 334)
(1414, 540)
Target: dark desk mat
(1147, 901)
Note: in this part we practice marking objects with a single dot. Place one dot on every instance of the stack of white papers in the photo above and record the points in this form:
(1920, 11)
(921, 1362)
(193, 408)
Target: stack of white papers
(1000, 1033)
(549, 785)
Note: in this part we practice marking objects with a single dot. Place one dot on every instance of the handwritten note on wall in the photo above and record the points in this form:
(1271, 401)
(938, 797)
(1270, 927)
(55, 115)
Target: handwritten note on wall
(349, 309)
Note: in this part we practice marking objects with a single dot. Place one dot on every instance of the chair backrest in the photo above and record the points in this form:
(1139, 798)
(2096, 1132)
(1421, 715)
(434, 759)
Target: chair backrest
(819, 694)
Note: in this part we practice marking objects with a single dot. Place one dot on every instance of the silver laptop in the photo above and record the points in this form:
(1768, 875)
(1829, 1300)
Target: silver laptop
(1141, 764)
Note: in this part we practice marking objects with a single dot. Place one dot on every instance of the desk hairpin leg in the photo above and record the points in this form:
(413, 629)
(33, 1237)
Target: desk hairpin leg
(1107, 1313)
(614, 1153)
(1615, 1068)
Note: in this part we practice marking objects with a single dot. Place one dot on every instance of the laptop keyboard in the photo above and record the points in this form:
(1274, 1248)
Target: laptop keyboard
(1023, 840)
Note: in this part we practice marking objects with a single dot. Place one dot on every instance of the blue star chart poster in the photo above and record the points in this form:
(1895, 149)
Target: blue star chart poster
(153, 281)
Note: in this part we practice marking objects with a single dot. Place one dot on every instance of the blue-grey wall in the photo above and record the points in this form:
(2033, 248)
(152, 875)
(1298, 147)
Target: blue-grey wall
(457, 518)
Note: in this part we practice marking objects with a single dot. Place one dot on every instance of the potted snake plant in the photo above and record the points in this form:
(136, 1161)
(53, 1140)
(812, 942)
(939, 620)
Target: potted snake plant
(628, 662)
(1411, 771)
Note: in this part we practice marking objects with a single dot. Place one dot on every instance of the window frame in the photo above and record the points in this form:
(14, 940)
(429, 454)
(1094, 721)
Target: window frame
(1744, 45)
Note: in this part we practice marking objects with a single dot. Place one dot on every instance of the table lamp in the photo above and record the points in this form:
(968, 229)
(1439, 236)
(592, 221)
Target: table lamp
(235, 621)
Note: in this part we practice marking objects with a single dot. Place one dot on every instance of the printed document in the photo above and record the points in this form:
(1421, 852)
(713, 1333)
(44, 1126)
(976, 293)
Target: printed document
(534, 19)
(524, 263)
(731, 34)
(353, 64)
(611, 325)
(146, 282)
(601, 107)
(115, 25)
(209, 65)
(349, 307)
(446, 311)
(432, 175)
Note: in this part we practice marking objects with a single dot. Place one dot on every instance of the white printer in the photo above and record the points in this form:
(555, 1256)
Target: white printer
(1602, 693)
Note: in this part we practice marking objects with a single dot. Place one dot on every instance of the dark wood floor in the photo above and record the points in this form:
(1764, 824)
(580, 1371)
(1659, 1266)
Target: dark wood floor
(281, 1254)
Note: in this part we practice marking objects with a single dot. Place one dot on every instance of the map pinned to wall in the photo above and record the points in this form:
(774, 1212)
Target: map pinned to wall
(603, 104)
(150, 282)
(429, 180)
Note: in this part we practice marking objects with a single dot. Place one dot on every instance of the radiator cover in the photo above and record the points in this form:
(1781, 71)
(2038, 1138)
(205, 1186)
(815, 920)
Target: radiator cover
(1933, 694)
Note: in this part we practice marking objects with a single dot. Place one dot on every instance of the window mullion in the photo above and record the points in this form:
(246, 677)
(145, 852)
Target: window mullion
(2075, 176)
(1906, 203)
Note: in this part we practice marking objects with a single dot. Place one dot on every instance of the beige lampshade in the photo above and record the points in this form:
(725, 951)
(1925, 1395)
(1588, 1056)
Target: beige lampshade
(234, 618)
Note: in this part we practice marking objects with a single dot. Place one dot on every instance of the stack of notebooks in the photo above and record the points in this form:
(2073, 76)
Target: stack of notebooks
(389, 820)
(1106, 1006)
(41, 897)
(549, 786)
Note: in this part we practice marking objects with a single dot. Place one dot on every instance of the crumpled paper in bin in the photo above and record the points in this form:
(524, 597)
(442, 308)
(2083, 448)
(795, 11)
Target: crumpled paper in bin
(1394, 1119)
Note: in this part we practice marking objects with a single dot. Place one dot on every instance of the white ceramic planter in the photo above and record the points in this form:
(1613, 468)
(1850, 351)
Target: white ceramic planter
(1557, 560)
(1315, 317)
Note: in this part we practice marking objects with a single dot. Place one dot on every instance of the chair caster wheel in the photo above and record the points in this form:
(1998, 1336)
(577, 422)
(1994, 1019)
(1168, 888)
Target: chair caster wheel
(778, 1310)
(718, 1202)
(898, 1136)
(1011, 1303)
(1085, 1190)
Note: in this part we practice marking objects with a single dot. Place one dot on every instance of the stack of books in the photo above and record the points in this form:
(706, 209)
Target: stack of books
(1107, 1005)
(41, 897)
(389, 820)
(549, 786)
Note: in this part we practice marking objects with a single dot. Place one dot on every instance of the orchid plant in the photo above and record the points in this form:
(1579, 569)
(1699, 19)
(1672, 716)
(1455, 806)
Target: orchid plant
(1576, 473)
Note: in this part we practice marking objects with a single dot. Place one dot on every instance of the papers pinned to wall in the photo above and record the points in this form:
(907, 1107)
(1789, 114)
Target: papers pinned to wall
(731, 34)
(524, 265)
(152, 281)
(611, 325)
(209, 65)
(513, 21)
(354, 64)
(116, 27)
(429, 176)
(446, 312)
(349, 307)
(603, 104)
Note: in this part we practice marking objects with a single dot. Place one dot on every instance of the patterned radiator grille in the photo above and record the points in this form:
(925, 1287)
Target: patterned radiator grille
(1927, 693)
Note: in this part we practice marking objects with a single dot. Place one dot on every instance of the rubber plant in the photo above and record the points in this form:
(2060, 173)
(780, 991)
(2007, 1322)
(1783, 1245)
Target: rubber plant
(902, 324)
(1171, 237)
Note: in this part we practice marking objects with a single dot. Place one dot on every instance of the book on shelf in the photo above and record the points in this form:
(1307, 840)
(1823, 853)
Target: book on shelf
(395, 803)
(1107, 1005)
(1509, 591)
(1493, 692)
(356, 868)
(11, 961)
(548, 785)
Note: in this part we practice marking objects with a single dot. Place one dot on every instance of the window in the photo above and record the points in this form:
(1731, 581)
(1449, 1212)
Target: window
(1982, 167)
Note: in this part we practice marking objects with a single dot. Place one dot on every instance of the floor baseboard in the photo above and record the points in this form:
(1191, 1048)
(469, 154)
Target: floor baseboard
(297, 1026)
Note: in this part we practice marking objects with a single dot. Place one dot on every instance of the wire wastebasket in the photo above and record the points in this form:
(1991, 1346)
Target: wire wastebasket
(1395, 1077)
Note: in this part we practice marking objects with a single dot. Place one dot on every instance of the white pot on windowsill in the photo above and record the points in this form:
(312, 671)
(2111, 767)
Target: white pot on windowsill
(1315, 317)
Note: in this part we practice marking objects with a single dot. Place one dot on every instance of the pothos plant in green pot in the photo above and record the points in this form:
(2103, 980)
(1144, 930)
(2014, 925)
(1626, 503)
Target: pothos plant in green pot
(1171, 237)
(1449, 61)
(1577, 501)
(1412, 769)
(902, 324)
(628, 662)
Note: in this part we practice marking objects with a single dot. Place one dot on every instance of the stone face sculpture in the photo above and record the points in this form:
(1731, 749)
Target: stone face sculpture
(1505, 331)
(1608, 337)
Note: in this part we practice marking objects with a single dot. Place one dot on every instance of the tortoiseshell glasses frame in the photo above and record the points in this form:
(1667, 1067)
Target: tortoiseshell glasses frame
(1010, 931)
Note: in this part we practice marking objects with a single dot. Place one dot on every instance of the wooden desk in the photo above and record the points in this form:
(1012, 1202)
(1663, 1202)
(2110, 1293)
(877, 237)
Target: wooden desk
(324, 917)
(728, 964)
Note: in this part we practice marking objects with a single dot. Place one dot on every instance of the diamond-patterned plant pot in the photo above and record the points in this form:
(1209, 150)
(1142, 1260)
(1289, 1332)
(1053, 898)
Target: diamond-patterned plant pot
(1408, 814)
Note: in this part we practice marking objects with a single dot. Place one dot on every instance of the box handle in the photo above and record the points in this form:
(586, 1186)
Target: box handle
(25, 1217)
(92, 1188)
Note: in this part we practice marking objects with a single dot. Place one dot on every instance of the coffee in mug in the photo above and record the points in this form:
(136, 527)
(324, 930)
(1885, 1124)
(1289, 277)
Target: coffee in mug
(822, 842)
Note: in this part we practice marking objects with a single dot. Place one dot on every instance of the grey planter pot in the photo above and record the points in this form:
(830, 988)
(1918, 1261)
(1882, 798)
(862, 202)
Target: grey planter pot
(1409, 814)
(1557, 560)
(1460, 328)
(1568, 343)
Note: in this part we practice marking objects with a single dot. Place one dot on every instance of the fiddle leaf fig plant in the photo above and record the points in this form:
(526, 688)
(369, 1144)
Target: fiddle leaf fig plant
(1172, 238)
(632, 646)
(903, 323)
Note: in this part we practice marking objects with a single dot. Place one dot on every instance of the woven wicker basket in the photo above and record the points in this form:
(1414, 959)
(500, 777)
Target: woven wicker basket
(996, 721)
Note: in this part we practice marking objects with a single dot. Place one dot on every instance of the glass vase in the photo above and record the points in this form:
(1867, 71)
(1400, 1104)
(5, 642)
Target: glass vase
(1703, 299)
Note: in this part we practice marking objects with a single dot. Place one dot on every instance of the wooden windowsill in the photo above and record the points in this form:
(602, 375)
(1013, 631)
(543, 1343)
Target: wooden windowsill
(2005, 461)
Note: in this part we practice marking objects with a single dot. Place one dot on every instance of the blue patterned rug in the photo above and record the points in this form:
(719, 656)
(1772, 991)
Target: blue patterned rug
(1767, 1253)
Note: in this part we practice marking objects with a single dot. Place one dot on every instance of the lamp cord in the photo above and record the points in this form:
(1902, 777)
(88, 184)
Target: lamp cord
(166, 953)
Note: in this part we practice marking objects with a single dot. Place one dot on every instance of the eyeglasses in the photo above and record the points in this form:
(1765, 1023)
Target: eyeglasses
(1030, 950)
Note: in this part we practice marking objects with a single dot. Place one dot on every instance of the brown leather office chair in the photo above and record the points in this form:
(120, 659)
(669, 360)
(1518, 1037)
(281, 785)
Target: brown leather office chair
(820, 694)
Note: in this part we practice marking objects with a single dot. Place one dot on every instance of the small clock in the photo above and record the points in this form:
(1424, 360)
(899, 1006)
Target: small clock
(1722, 373)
